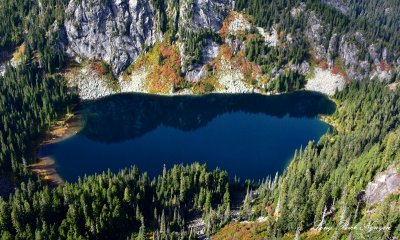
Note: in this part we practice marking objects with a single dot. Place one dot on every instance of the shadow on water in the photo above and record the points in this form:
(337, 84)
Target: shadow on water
(250, 136)
(128, 116)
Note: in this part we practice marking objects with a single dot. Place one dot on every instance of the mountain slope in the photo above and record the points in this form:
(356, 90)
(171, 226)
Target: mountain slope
(259, 44)
(344, 186)
(383, 13)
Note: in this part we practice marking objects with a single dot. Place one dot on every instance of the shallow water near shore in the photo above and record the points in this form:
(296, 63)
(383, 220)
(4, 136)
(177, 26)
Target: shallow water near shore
(250, 136)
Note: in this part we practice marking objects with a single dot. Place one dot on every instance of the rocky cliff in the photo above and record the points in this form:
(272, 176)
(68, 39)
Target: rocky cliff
(118, 31)
(385, 183)
(124, 33)
(349, 52)
(114, 31)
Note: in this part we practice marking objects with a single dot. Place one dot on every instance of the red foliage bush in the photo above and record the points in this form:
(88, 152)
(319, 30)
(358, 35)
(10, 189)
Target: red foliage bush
(335, 70)
(98, 68)
(384, 66)
(323, 64)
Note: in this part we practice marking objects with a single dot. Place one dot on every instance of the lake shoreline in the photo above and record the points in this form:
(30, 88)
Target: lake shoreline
(45, 167)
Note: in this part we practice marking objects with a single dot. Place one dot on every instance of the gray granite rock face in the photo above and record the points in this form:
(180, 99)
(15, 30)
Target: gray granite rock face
(349, 52)
(302, 68)
(115, 31)
(197, 15)
(2, 69)
(383, 185)
(203, 14)
(358, 56)
(208, 53)
(118, 31)
(315, 35)
(332, 50)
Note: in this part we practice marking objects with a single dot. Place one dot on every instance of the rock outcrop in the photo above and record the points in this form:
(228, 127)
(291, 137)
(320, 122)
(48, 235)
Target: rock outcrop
(349, 53)
(360, 60)
(116, 32)
(325, 82)
(383, 185)
(208, 53)
(332, 50)
(2, 69)
(316, 37)
(202, 14)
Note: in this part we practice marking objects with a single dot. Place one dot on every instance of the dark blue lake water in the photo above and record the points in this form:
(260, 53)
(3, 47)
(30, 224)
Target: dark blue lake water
(250, 136)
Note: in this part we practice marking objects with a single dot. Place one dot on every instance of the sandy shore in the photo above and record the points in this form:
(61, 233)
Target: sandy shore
(45, 166)
(63, 129)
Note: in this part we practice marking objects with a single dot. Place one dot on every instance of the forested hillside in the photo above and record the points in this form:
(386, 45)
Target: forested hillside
(124, 205)
(195, 47)
(30, 102)
(324, 186)
(30, 98)
(363, 18)
(383, 13)
(37, 25)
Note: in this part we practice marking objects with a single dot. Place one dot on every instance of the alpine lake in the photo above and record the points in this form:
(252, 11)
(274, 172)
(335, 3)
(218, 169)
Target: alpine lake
(250, 136)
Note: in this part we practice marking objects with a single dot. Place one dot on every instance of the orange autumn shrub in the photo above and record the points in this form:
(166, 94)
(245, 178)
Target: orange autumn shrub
(239, 61)
(247, 68)
(165, 75)
(226, 52)
(384, 66)
(324, 64)
(335, 70)
(339, 68)
(250, 231)
(98, 68)
(224, 31)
